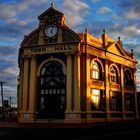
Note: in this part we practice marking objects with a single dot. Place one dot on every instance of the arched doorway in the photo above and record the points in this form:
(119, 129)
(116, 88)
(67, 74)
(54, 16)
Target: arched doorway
(52, 95)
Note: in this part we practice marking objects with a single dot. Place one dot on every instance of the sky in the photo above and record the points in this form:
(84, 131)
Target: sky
(19, 17)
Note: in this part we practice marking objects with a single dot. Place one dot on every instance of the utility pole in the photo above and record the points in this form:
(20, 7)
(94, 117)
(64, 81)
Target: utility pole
(1, 84)
(10, 101)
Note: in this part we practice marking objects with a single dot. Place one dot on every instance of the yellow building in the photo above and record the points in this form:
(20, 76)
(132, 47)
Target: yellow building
(69, 77)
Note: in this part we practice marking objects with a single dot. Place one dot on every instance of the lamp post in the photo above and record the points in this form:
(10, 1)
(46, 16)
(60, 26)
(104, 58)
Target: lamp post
(1, 84)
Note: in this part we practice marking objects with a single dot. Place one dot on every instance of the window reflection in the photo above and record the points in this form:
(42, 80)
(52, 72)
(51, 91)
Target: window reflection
(115, 101)
(113, 75)
(128, 78)
(95, 70)
(97, 100)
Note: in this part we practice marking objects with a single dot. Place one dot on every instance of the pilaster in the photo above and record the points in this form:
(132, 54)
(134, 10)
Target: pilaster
(25, 83)
(32, 90)
(88, 94)
(107, 90)
(135, 96)
(69, 89)
(122, 92)
(76, 81)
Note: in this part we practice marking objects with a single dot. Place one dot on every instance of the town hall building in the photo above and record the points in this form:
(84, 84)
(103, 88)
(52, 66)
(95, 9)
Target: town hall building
(69, 77)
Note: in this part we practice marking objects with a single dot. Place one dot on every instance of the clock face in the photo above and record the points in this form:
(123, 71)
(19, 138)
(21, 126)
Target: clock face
(51, 30)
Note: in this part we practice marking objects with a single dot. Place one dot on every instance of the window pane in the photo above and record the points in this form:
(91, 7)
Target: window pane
(50, 91)
(62, 91)
(95, 71)
(43, 71)
(95, 99)
(42, 91)
(115, 101)
(42, 81)
(58, 91)
(46, 91)
(42, 103)
(129, 102)
(54, 91)
(113, 75)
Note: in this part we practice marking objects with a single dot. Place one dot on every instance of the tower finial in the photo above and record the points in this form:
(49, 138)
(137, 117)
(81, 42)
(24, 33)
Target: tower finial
(52, 4)
(86, 30)
(119, 38)
(132, 53)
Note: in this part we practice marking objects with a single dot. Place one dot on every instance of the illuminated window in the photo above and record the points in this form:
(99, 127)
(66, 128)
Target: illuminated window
(97, 100)
(115, 101)
(113, 74)
(95, 71)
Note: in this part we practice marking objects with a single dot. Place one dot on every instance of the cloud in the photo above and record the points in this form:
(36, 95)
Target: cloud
(7, 11)
(95, 1)
(75, 10)
(15, 22)
(131, 10)
(132, 15)
(11, 10)
(131, 31)
(9, 71)
(7, 51)
(104, 10)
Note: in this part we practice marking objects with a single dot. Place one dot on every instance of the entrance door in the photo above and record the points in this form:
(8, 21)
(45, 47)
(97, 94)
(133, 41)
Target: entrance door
(52, 99)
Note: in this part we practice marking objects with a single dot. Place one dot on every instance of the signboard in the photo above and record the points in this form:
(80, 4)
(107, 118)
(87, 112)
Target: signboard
(50, 49)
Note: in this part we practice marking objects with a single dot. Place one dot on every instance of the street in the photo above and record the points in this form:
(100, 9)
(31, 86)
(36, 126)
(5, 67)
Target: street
(110, 130)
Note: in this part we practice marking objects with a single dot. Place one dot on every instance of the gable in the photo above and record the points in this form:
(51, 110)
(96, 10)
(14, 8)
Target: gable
(31, 39)
(115, 49)
(69, 36)
(50, 12)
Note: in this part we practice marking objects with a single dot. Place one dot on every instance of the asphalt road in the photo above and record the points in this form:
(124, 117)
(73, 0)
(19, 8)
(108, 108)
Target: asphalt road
(109, 130)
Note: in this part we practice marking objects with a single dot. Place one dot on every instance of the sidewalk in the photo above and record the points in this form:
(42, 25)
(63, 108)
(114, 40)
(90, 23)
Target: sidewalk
(12, 130)
(12, 123)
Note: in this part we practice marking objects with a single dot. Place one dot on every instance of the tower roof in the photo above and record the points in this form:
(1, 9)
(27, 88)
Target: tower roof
(51, 9)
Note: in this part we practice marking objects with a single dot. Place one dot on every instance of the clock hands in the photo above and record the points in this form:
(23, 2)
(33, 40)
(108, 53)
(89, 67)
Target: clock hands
(52, 30)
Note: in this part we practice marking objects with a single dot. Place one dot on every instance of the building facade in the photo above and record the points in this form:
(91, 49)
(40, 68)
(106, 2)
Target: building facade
(69, 77)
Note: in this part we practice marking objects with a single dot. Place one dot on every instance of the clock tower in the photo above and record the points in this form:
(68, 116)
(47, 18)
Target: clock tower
(51, 23)
(47, 58)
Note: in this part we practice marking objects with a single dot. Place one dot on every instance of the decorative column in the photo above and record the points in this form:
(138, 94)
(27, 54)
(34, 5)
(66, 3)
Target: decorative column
(25, 83)
(88, 94)
(69, 89)
(20, 91)
(32, 91)
(135, 96)
(76, 81)
(107, 90)
(25, 90)
(122, 92)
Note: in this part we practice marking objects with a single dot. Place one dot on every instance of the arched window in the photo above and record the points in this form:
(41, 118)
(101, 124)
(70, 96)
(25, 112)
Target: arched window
(127, 78)
(52, 89)
(113, 75)
(95, 70)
